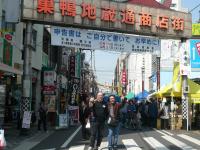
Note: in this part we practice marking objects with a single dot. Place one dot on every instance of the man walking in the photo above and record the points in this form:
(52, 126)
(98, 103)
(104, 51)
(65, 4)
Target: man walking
(98, 117)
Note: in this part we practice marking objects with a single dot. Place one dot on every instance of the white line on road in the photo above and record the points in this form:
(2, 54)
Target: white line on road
(50, 149)
(168, 132)
(130, 144)
(191, 139)
(155, 144)
(178, 143)
(70, 138)
(160, 132)
(81, 147)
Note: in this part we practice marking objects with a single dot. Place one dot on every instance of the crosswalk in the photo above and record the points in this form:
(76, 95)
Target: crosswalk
(180, 141)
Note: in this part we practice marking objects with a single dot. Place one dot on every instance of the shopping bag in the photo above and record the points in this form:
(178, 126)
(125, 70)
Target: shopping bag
(2, 139)
(88, 124)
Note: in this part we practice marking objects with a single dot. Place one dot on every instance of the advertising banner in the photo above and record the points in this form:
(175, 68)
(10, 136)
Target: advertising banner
(90, 39)
(74, 114)
(195, 54)
(50, 102)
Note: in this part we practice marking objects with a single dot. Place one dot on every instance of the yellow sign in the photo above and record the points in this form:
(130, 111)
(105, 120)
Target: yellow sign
(196, 29)
(196, 101)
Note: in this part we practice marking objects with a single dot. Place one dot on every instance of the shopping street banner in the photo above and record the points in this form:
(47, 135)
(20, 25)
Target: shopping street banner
(99, 40)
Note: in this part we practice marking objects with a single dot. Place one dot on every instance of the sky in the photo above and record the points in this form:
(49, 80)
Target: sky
(105, 62)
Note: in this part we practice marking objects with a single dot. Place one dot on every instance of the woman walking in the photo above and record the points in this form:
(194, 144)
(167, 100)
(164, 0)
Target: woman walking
(113, 123)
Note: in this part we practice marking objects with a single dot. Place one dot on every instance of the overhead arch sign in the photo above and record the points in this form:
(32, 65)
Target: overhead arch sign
(109, 16)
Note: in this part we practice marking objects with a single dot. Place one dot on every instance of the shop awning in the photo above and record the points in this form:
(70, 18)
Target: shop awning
(6, 68)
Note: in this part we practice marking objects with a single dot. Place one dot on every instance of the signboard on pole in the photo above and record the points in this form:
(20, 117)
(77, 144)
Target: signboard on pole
(74, 115)
(26, 120)
(91, 39)
(63, 120)
(109, 16)
(195, 54)
(185, 67)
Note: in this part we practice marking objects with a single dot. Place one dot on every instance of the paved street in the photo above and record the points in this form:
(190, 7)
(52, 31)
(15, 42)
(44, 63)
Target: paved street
(147, 139)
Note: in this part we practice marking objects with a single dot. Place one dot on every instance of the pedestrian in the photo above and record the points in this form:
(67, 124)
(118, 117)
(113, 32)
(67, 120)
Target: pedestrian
(98, 117)
(164, 115)
(113, 122)
(84, 113)
(131, 109)
(42, 117)
(153, 113)
(123, 111)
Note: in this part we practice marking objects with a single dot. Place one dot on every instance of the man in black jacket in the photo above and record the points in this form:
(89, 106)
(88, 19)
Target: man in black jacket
(98, 117)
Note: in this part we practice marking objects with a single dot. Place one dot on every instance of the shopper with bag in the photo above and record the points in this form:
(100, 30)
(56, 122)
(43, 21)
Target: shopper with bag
(97, 119)
(113, 123)
(84, 118)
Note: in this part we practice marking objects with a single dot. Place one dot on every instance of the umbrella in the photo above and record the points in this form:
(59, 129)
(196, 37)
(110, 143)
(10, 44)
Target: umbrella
(142, 95)
(130, 95)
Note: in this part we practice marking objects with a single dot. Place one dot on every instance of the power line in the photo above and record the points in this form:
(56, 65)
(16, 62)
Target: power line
(194, 8)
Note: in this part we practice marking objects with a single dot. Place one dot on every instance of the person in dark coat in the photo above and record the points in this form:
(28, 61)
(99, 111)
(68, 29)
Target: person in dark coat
(42, 116)
(98, 117)
(84, 113)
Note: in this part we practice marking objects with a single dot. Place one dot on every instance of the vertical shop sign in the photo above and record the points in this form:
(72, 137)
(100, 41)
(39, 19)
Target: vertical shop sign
(48, 84)
(75, 84)
(72, 67)
(124, 77)
(7, 53)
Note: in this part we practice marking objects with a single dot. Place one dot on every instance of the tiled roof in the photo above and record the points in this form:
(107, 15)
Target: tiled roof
(150, 3)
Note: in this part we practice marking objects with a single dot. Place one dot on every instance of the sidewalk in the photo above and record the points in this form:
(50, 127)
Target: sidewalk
(15, 141)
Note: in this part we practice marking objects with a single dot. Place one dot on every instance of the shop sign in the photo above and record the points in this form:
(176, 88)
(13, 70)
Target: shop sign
(75, 84)
(195, 53)
(124, 77)
(49, 89)
(109, 16)
(72, 65)
(185, 67)
(7, 53)
(90, 39)
(63, 120)
(74, 115)
(50, 102)
(48, 82)
(26, 120)
(49, 77)
(196, 29)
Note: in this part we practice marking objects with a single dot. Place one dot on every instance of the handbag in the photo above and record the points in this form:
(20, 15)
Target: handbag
(88, 124)
(112, 121)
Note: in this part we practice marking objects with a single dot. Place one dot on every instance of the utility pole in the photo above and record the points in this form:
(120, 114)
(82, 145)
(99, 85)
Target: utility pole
(185, 90)
(27, 69)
